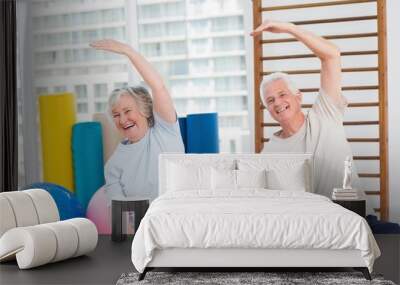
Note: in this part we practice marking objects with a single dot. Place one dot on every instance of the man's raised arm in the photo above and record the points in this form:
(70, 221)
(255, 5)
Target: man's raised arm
(327, 52)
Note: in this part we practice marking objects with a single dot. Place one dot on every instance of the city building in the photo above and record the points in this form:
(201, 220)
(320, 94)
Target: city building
(197, 45)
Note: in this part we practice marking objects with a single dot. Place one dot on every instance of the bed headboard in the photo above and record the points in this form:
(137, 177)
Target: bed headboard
(360, 32)
(225, 159)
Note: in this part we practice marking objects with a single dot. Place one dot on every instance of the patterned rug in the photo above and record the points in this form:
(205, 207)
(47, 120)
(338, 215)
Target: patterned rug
(269, 278)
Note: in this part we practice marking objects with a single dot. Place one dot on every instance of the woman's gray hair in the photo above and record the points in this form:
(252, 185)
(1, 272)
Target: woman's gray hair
(274, 77)
(142, 98)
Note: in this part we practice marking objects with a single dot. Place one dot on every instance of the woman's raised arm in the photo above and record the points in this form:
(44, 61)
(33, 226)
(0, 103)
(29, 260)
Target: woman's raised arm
(162, 101)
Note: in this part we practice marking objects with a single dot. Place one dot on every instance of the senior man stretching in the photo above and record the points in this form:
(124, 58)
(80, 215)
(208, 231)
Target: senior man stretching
(321, 130)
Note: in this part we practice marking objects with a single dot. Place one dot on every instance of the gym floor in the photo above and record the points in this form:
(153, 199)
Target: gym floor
(102, 266)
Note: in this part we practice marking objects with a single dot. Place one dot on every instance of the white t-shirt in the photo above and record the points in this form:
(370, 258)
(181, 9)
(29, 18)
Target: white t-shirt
(323, 135)
(132, 170)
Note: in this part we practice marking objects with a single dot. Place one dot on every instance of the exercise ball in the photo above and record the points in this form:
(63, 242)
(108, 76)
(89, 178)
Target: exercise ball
(67, 204)
(99, 212)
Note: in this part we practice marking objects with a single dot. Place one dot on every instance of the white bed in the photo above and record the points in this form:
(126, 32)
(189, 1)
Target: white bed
(214, 211)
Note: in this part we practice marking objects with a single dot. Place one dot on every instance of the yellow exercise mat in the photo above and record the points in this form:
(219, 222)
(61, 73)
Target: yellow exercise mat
(57, 116)
(111, 136)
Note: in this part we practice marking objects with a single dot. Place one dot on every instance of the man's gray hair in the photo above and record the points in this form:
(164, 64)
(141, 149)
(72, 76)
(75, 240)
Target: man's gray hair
(141, 97)
(274, 77)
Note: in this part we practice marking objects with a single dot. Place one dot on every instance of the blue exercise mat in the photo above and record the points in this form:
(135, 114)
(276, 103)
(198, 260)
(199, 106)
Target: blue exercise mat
(183, 128)
(87, 157)
(202, 133)
(381, 227)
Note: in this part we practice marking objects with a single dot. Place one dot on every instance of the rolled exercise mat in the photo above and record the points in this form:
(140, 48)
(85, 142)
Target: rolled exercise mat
(202, 133)
(57, 116)
(87, 157)
(111, 136)
(183, 128)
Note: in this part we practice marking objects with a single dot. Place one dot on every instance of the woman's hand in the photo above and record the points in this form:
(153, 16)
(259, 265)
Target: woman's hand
(273, 27)
(112, 46)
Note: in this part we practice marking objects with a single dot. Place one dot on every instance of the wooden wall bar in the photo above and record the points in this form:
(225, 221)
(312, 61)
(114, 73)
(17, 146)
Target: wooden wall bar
(380, 68)
(258, 116)
(383, 130)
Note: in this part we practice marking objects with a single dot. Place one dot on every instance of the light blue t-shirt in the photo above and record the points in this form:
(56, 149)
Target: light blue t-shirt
(132, 170)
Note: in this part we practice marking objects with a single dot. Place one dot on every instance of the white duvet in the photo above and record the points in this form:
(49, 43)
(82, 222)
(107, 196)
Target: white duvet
(252, 218)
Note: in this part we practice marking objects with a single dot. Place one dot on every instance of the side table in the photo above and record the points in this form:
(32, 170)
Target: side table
(138, 205)
(357, 206)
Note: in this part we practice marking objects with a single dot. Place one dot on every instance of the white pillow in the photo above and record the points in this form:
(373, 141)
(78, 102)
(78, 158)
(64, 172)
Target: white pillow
(223, 179)
(251, 178)
(282, 174)
(181, 177)
(292, 179)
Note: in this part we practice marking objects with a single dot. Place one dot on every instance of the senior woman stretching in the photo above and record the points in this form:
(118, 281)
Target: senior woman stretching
(149, 125)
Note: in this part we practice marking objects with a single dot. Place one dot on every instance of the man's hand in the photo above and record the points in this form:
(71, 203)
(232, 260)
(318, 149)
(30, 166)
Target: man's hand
(273, 27)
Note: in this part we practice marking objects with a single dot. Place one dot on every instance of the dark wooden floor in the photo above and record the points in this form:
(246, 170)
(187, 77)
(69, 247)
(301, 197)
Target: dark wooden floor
(102, 266)
(110, 259)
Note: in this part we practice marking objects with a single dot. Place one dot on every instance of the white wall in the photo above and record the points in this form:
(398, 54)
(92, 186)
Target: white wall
(393, 35)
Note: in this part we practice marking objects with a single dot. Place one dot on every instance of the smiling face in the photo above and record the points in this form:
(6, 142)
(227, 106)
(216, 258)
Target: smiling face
(128, 119)
(281, 103)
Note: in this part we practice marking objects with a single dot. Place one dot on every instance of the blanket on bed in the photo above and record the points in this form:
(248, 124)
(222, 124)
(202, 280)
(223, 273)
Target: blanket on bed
(251, 218)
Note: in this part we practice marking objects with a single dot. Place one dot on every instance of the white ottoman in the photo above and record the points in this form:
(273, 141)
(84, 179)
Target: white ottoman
(31, 233)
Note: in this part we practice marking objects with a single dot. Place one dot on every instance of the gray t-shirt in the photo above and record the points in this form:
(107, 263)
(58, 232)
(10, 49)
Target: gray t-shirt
(323, 135)
(132, 170)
